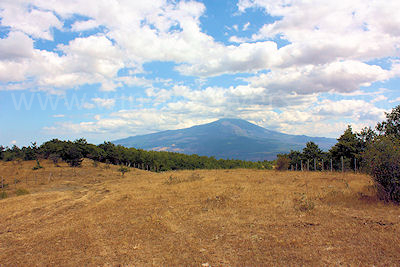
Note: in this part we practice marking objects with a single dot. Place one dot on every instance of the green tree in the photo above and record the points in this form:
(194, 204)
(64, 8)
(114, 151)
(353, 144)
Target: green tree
(311, 151)
(391, 127)
(349, 147)
(1, 152)
(366, 136)
(72, 155)
(382, 159)
(295, 158)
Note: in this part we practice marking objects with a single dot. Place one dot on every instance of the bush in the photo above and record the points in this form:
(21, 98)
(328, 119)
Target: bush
(38, 166)
(282, 163)
(123, 169)
(382, 161)
(21, 191)
(3, 195)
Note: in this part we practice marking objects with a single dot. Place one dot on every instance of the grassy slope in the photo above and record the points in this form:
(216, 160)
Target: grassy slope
(94, 216)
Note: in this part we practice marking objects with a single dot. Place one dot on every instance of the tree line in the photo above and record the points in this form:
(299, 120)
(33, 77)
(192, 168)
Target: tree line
(377, 151)
(73, 153)
(346, 154)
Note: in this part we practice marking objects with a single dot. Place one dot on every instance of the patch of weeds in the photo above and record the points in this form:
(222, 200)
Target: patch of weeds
(3, 195)
(217, 202)
(194, 177)
(123, 169)
(303, 203)
(38, 166)
(21, 191)
(175, 180)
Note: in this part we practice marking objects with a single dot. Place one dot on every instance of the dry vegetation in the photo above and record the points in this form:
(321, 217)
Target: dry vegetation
(96, 216)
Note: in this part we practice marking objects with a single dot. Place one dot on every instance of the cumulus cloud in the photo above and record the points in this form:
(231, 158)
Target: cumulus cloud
(355, 109)
(19, 15)
(323, 31)
(84, 25)
(340, 76)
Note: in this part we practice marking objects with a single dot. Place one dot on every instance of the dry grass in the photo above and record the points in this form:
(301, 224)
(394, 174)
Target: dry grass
(94, 216)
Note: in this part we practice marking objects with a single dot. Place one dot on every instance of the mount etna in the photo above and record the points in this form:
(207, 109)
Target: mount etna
(225, 138)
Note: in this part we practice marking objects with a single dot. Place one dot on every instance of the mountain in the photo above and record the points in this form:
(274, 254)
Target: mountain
(225, 138)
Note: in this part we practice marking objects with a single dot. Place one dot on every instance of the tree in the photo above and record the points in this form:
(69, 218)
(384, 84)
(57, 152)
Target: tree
(295, 158)
(72, 155)
(365, 137)
(382, 159)
(1, 152)
(348, 146)
(391, 127)
(282, 163)
(312, 151)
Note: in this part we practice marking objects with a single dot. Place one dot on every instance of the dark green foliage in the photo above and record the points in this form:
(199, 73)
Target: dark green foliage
(391, 127)
(55, 158)
(311, 151)
(382, 158)
(74, 152)
(282, 163)
(295, 158)
(72, 155)
(349, 146)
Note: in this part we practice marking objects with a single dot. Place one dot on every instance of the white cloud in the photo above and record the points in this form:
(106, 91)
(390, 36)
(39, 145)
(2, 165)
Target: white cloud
(22, 17)
(341, 76)
(322, 31)
(397, 99)
(358, 110)
(379, 98)
(104, 103)
(84, 25)
(16, 46)
(234, 59)
(88, 105)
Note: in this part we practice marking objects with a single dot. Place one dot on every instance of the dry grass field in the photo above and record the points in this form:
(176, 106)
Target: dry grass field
(96, 216)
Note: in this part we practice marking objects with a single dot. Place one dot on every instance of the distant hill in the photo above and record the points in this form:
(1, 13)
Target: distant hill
(225, 138)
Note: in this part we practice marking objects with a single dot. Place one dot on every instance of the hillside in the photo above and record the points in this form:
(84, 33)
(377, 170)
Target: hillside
(94, 216)
(225, 138)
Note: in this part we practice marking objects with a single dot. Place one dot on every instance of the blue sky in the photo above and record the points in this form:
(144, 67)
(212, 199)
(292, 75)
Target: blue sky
(111, 69)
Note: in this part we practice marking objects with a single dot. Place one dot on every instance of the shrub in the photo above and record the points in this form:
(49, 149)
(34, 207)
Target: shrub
(282, 163)
(3, 195)
(21, 191)
(38, 166)
(123, 169)
(382, 161)
(303, 203)
(55, 158)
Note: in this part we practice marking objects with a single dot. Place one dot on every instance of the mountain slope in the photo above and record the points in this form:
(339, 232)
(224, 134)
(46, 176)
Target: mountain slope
(225, 138)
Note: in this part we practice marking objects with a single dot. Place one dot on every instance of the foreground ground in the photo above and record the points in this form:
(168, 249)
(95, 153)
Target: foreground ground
(94, 216)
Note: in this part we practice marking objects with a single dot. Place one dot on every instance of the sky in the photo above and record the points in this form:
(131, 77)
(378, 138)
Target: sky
(109, 69)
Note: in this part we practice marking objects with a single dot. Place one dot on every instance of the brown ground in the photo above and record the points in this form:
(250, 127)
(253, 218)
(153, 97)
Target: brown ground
(94, 216)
